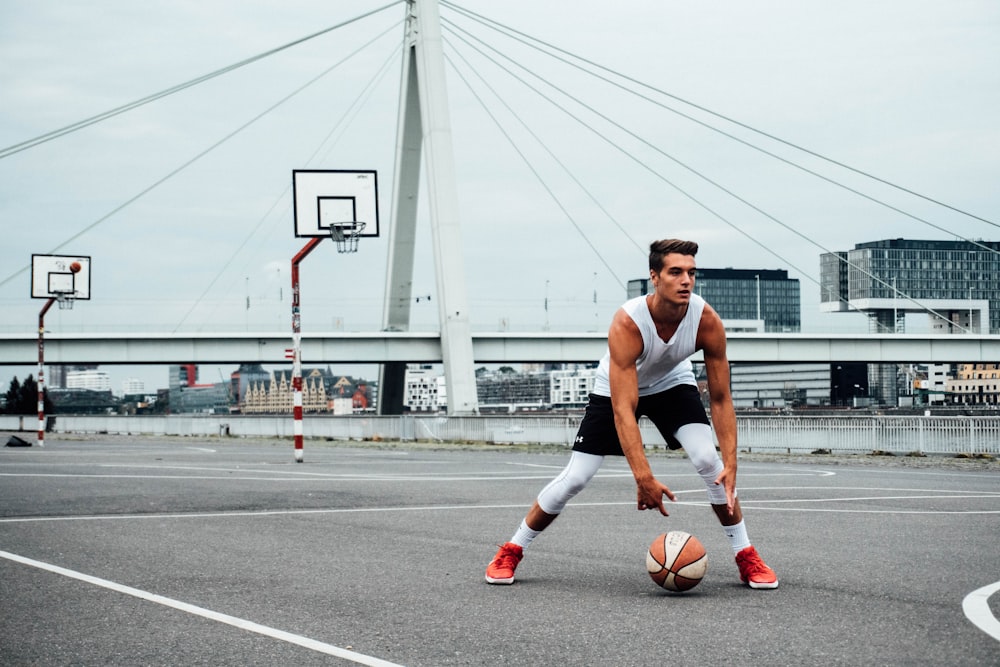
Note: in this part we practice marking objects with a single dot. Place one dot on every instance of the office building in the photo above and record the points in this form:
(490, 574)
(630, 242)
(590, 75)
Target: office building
(132, 386)
(92, 379)
(424, 389)
(571, 386)
(954, 282)
(187, 395)
(975, 384)
(507, 391)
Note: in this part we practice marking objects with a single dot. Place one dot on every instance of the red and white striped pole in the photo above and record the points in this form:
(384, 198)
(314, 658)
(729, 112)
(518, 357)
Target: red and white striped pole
(297, 394)
(297, 347)
(41, 371)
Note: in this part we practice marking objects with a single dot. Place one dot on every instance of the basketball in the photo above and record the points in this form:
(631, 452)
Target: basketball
(75, 267)
(676, 561)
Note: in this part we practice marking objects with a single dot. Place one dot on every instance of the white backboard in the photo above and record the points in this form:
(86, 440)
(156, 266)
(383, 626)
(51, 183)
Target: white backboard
(53, 276)
(325, 197)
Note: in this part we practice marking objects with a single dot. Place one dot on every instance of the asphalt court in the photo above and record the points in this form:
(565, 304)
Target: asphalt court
(122, 551)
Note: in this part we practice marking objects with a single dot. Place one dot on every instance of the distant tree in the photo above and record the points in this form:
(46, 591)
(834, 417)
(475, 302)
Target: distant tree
(22, 398)
(28, 401)
(12, 396)
(506, 370)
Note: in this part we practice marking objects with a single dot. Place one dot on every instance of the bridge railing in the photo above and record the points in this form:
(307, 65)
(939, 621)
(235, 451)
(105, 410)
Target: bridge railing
(860, 434)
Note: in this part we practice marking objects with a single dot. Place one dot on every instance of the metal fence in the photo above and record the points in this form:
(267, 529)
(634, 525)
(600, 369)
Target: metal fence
(863, 434)
(757, 433)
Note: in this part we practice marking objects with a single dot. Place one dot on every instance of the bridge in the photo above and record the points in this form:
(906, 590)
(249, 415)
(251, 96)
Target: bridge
(506, 347)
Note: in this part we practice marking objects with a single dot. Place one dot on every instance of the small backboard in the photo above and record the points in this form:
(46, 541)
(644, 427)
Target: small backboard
(53, 276)
(325, 198)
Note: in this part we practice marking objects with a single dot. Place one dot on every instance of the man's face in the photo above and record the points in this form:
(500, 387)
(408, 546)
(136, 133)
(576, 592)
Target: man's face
(675, 281)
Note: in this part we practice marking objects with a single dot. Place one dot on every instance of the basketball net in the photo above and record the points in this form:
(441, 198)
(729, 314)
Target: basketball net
(346, 235)
(65, 300)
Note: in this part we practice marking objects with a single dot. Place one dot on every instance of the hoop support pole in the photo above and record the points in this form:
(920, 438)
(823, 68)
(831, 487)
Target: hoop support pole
(297, 347)
(41, 370)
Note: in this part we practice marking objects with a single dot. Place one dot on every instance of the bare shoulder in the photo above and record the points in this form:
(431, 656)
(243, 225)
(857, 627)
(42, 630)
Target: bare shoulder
(624, 337)
(623, 323)
(711, 331)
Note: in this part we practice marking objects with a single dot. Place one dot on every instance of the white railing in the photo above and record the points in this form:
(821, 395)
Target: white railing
(868, 433)
(757, 433)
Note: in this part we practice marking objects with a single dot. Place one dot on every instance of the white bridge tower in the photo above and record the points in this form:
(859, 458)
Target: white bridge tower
(424, 130)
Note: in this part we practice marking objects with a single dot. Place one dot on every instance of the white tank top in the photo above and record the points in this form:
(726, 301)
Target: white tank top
(661, 365)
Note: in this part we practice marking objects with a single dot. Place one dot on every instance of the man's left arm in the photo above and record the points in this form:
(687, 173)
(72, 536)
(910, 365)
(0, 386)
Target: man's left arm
(712, 341)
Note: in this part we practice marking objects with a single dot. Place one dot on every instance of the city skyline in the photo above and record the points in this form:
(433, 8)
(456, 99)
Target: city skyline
(727, 296)
(871, 86)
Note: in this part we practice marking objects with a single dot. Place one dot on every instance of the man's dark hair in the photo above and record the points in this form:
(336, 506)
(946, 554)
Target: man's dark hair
(658, 249)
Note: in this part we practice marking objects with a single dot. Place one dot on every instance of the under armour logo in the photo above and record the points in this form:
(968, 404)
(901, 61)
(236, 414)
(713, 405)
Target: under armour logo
(579, 439)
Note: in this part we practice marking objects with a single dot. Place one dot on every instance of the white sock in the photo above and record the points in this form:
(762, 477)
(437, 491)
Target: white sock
(524, 535)
(737, 535)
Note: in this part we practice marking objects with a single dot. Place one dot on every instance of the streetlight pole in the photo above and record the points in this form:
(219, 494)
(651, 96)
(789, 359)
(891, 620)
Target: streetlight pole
(970, 310)
(546, 305)
(895, 310)
(757, 276)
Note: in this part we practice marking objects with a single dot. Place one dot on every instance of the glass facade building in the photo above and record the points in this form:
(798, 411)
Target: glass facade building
(954, 282)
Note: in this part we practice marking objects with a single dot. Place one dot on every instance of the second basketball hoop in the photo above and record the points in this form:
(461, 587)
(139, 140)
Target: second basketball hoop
(344, 206)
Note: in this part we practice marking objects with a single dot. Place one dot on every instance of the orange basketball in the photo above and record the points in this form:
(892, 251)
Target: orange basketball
(676, 561)
(75, 267)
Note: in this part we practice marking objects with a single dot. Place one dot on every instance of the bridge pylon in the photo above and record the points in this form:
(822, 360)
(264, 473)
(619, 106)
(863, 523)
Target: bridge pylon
(424, 132)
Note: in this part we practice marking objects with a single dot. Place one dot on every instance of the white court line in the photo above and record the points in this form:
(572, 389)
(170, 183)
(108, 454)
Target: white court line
(836, 511)
(755, 504)
(266, 513)
(885, 471)
(499, 477)
(977, 609)
(249, 474)
(433, 475)
(243, 624)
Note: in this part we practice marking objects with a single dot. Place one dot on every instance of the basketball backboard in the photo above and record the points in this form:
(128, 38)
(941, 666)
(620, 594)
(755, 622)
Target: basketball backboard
(53, 276)
(325, 197)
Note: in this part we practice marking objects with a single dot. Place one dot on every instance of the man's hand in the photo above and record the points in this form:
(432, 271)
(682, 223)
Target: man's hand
(727, 478)
(650, 494)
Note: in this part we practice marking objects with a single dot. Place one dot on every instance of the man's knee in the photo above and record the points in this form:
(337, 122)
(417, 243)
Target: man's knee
(577, 474)
(700, 448)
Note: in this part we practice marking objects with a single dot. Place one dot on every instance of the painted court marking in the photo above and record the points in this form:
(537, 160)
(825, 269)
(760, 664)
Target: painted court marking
(240, 623)
(977, 609)
(284, 475)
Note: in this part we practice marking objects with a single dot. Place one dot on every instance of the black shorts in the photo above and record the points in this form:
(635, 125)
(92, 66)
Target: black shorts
(668, 410)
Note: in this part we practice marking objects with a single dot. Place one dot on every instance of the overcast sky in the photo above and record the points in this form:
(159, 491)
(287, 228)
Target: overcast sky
(907, 91)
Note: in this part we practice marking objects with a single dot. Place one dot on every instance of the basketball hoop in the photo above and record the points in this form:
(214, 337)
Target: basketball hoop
(65, 300)
(346, 235)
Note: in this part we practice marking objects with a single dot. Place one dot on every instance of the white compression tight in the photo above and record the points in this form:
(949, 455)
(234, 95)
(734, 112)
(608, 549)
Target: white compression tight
(577, 473)
(696, 440)
(700, 448)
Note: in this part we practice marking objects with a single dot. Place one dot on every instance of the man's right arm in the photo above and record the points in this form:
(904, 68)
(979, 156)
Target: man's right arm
(625, 346)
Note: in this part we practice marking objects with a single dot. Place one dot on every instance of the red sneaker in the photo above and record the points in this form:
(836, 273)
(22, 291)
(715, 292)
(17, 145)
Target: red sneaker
(754, 571)
(501, 570)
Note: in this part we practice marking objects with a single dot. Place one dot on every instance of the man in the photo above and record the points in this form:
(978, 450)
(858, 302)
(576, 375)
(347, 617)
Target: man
(647, 371)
